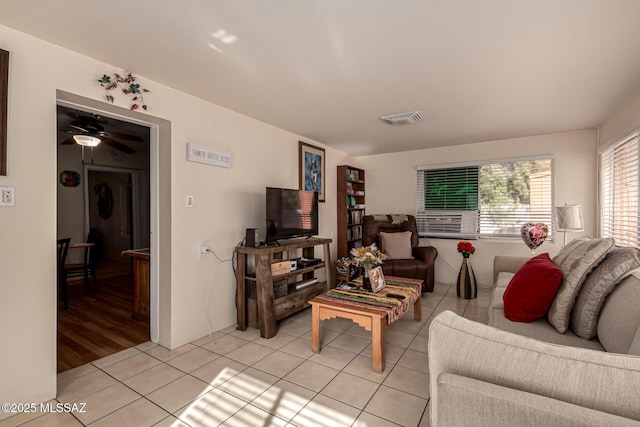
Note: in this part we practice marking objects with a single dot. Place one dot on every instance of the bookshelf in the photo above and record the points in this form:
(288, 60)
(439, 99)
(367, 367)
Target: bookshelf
(351, 208)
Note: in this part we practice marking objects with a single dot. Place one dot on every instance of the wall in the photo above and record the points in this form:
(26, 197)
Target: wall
(622, 121)
(200, 298)
(391, 188)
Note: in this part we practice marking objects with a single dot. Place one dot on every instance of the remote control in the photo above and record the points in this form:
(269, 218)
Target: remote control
(395, 296)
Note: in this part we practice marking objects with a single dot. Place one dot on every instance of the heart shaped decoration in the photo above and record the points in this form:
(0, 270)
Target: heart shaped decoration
(534, 234)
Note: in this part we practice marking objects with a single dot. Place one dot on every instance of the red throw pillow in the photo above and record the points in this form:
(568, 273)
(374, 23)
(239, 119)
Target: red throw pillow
(532, 290)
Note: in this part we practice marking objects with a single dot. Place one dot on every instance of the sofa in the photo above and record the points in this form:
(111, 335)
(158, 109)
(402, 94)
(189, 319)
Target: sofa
(528, 373)
(397, 236)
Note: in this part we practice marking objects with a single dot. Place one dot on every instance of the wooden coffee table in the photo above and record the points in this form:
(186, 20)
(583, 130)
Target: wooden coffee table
(367, 314)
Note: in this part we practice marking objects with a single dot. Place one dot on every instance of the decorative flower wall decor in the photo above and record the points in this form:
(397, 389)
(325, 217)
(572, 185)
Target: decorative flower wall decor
(127, 83)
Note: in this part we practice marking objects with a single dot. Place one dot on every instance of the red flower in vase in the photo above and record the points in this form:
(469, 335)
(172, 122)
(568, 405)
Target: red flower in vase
(466, 248)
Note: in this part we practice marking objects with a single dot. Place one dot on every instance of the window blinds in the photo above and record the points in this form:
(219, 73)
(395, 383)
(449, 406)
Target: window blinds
(619, 191)
(490, 199)
(448, 201)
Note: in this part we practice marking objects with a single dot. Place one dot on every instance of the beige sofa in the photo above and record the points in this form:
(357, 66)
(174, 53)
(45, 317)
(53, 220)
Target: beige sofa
(513, 373)
(618, 324)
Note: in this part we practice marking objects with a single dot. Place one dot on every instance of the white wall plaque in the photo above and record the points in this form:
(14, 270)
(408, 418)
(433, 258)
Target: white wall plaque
(207, 155)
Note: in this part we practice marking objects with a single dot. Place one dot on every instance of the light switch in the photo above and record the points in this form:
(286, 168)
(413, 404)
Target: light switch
(7, 196)
(189, 201)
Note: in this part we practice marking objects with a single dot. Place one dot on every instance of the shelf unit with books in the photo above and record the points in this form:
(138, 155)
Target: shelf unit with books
(351, 208)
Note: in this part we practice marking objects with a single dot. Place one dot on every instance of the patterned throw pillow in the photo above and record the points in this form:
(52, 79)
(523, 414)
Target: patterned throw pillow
(396, 245)
(575, 260)
(617, 265)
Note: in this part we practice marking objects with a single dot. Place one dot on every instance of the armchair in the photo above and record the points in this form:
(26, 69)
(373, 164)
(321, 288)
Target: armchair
(418, 265)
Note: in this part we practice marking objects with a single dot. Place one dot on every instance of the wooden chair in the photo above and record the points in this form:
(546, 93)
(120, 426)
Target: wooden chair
(86, 268)
(63, 249)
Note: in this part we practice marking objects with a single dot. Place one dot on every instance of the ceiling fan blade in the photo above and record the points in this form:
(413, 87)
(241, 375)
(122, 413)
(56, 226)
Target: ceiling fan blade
(78, 128)
(118, 146)
(126, 136)
(67, 129)
(68, 141)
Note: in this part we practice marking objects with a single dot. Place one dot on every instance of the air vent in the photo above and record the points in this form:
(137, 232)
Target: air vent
(403, 118)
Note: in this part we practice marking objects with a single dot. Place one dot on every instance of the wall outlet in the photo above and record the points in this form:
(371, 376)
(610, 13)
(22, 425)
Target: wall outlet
(7, 196)
(202, 252)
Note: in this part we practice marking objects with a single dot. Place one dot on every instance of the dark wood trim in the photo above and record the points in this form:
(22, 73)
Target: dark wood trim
(4, 90)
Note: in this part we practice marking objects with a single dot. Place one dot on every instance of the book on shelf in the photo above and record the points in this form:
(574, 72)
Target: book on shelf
(350, 188)
(354, 217)
(354, 233)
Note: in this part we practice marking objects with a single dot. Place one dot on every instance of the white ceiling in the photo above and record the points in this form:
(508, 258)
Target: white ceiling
(327, 69)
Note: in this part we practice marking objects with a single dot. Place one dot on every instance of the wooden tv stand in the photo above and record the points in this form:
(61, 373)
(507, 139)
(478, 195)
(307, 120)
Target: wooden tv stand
(270, 307)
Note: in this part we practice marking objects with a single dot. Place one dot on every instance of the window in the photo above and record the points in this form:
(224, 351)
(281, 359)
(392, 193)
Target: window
(486, 199)
(619, 191)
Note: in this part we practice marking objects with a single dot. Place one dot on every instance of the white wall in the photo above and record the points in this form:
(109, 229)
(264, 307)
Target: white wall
(622, 121)
(226, 202)
(391, 188)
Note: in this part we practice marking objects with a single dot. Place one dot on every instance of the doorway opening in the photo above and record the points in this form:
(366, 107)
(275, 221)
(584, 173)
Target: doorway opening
(113, 210)
(104, 199)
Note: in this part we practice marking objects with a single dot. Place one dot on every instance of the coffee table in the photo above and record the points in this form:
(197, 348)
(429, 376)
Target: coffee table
(372, 311)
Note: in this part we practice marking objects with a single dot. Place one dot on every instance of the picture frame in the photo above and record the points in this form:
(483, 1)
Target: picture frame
(311, 168)
(4, 95)
(376, 279)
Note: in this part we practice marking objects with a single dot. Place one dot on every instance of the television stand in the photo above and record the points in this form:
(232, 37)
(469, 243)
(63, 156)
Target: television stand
(293, 293)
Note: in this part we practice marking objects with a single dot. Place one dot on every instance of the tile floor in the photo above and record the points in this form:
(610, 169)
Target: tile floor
(235, 378)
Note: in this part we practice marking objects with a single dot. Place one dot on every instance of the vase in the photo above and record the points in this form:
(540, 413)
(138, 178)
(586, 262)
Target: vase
(467, 286)
(366, 284)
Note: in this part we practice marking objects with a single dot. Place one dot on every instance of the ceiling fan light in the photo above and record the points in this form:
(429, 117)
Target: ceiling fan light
(86, 140)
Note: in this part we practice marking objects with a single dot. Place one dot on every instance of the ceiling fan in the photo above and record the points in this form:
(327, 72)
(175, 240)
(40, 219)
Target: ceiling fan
(87, 130)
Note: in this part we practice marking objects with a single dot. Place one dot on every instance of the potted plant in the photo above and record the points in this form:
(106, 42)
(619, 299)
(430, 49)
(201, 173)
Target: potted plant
(366, 257)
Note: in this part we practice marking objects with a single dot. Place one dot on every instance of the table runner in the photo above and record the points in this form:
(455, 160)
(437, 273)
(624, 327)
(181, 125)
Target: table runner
(394, 307)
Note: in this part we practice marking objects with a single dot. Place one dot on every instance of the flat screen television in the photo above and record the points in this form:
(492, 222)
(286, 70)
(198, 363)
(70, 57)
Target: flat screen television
(290, 213)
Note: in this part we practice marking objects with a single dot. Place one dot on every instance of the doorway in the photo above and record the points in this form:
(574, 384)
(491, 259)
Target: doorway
(113, 210)
(109, 197)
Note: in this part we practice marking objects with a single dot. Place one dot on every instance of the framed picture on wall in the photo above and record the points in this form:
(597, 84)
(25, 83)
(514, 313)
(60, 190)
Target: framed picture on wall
(312, 169)
(4, 90)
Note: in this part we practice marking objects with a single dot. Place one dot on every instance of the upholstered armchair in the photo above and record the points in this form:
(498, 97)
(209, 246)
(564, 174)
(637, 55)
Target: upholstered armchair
(397, 236)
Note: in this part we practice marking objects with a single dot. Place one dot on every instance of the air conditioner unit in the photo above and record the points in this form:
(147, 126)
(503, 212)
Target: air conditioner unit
(445, 224)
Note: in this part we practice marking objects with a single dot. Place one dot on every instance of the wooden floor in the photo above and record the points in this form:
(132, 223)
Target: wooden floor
(98, 324)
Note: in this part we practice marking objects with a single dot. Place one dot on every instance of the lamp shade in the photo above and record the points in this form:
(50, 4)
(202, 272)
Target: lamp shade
(86, 140)
(569, 218)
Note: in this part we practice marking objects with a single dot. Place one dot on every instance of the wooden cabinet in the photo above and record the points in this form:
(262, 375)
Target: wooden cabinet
(262, 299)
(141, 282)
(351, 208)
